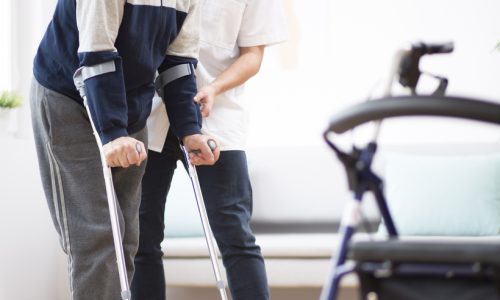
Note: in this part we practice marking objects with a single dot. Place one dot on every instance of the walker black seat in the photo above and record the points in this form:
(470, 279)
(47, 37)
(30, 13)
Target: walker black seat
(430, 270)
(427, 251)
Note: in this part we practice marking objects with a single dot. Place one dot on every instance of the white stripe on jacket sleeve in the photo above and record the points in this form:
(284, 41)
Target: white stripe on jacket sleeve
(187, 43)
(98, 23)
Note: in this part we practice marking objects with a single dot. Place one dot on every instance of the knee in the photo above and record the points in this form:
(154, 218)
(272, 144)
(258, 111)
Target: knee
(149, 249)
(97, 244)
(237, 239)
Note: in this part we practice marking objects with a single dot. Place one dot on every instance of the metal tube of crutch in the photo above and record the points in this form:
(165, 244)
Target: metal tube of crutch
(205, 223)
(110, 190)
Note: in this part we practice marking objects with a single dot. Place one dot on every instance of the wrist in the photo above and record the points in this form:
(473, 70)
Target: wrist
(216, 88)
(186, 138)
(112, 134)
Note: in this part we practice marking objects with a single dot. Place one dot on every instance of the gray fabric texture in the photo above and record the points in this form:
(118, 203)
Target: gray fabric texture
(74, 187)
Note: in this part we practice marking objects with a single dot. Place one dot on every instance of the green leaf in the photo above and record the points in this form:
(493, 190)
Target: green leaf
(10, 99)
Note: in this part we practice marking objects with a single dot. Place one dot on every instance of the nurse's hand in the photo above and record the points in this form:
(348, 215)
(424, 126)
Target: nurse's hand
(205, 97)
(124, 152)
(199, 150)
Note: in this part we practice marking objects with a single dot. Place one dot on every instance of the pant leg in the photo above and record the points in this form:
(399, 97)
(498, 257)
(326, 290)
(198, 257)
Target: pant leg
(73, 182)
(149, 279)
(228, 197)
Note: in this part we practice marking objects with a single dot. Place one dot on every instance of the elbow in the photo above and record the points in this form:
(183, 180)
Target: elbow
(256, 68)
(254, 58)
(256, 63)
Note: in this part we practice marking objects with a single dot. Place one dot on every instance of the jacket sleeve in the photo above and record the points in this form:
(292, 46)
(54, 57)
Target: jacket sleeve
(98, 23)
(183, 113)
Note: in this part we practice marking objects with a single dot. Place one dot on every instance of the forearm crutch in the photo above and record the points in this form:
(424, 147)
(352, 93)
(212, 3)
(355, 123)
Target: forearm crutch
(209, 238)
(161, 82)
(80, 76)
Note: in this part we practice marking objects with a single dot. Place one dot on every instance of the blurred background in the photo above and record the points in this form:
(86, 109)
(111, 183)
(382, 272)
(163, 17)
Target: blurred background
(338, 54)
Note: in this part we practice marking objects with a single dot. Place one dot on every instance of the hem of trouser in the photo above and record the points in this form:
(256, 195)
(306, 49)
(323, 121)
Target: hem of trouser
(253, 296)
(59, 199)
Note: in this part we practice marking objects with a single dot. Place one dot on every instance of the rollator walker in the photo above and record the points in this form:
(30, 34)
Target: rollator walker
(407, 269)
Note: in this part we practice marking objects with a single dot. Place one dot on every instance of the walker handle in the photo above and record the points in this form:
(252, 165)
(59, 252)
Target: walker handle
(428, 48)
(404, 106)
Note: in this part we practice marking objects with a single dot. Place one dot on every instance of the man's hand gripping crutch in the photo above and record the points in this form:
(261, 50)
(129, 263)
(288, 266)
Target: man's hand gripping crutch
(193, 158)
(121, 152)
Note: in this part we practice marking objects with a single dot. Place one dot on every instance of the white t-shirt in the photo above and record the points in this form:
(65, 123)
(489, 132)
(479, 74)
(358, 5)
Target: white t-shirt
(226, 26)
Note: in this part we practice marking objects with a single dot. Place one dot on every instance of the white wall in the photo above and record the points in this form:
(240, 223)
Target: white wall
(28, 26)
(33, 265)
(5, 52)
(337, 52)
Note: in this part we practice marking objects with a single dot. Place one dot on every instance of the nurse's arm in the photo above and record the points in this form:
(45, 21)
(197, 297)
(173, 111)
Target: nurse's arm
(247, 65)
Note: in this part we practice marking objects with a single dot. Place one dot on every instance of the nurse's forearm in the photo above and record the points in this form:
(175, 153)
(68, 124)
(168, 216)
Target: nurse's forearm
(246, 66)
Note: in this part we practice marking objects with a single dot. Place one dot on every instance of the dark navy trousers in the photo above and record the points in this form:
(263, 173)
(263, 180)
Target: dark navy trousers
(228, 198)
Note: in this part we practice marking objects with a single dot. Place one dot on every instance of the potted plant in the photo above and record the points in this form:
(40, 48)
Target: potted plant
(9, 101)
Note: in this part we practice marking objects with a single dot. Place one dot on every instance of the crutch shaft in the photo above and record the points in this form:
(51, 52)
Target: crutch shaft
(208, 231)
(79, 78)
(113, 213)
(209, 238)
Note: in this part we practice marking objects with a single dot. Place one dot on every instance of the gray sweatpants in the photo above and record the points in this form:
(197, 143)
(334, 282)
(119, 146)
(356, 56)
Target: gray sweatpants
(73, 182)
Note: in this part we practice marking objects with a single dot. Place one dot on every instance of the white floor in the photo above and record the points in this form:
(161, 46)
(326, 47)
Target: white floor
(179, 293)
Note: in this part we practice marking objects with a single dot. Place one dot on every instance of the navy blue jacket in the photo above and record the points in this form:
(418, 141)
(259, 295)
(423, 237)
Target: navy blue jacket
(141, 37)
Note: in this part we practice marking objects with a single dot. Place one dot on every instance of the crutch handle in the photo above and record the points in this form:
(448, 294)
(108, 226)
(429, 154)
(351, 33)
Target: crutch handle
(212, 144)
(138, 148)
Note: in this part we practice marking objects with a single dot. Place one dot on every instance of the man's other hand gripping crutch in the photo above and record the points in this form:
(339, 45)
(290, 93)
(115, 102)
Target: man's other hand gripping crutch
(139, 155)
(209, 238)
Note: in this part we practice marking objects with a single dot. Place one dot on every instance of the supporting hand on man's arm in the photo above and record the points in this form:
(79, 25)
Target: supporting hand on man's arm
(199, 151)
(124, 152)
(245, 66)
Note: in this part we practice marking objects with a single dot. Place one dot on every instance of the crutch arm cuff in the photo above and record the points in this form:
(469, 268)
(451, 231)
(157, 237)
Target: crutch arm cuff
(102, 87)
(178, 88)
(172, 74)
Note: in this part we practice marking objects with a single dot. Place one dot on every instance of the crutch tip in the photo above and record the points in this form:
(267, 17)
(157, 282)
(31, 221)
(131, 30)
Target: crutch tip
(221, 285)
(126, 295)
